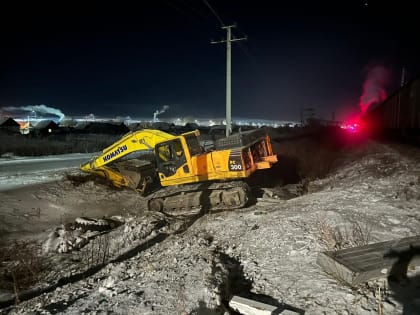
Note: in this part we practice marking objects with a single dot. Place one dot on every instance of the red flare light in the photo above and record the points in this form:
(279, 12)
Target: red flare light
(353, 125)
(377, 77)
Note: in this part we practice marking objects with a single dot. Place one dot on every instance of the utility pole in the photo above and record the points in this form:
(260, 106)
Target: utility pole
(228, 42)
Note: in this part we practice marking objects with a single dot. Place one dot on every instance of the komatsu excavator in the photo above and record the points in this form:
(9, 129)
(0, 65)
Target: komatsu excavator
(188, 177)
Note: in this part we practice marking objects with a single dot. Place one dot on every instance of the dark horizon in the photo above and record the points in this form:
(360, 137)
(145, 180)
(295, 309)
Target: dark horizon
(131, 61)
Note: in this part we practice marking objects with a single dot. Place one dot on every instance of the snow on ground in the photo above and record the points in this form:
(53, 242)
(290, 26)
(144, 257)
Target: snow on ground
(18, 171)
(268, 250)
(10, 182)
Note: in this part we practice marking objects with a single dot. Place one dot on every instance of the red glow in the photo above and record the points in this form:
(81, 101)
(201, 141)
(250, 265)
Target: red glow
(377, 78)
(367, 100)
(374, 87)
(353, 125)
(351, 128)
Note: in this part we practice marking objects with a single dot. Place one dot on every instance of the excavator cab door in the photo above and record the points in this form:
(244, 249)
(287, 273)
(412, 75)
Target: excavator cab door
(170, 157)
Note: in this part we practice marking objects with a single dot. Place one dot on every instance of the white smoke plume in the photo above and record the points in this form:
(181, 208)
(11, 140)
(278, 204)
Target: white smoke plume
(160, 111)
(40, 110)
(376, 80)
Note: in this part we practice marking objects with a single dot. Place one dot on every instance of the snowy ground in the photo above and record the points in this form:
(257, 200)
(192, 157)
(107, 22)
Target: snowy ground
(18, 171)
(160, 265)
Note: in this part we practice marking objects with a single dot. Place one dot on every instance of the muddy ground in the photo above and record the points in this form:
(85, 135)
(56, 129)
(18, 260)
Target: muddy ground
(31, 211)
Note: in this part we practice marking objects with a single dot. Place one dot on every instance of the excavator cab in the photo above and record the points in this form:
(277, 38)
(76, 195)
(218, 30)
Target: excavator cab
(176, 153)
(170, 156)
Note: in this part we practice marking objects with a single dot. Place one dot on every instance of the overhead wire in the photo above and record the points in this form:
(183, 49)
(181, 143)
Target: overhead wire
(214, 12)
(241, 46)
(188, 12)
(191, 11)
(195, 10)
(246, 51)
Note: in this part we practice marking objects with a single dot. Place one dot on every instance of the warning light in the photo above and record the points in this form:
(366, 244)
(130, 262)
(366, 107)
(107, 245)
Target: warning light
(353, 125)
(352, 128)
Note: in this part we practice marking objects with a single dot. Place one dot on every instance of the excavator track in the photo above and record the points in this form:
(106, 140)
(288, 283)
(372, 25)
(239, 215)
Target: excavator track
(202, 197)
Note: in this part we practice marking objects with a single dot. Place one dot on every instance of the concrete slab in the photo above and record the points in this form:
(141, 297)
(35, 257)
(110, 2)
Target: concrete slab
(250, 307)
(360, 264)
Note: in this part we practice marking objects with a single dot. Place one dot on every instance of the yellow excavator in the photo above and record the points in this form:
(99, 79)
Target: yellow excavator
(188, 176)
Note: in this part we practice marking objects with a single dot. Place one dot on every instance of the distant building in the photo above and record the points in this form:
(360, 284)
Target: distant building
(101, 128)
(44, 128)
(217, 130)
(191, 126)
(25, 127)
(9, 125)
(163, 126)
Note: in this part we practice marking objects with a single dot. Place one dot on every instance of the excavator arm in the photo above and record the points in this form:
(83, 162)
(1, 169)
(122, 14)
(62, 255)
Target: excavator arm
(132, 143)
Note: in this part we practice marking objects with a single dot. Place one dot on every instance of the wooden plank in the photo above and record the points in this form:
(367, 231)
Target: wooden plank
(364, 263)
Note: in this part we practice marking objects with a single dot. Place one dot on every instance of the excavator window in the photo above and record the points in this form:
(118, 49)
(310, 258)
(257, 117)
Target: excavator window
(193, 145)
(177, 146)
(170, 156)
(164, 153)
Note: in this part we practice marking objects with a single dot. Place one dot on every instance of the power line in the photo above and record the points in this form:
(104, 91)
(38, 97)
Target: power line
(242, 47)
(247, 53)
(189, 13)
(214, 12)
(196, 10)
(197, 16)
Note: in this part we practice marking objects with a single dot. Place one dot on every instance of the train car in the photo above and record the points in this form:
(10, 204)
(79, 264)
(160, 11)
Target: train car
(398, 115)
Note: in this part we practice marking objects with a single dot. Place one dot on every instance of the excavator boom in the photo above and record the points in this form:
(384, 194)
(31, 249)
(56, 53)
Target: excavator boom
(136, 142)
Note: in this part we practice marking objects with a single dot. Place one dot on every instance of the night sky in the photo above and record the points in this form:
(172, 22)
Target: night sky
(130, 58)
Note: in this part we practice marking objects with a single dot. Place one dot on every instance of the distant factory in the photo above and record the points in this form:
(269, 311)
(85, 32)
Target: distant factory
(42, 120)
(36, 125)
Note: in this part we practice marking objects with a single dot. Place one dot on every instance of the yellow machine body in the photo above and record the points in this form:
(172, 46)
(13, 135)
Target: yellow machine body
(179, 159)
